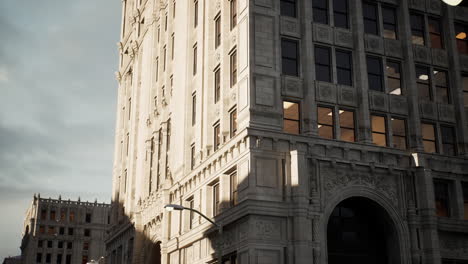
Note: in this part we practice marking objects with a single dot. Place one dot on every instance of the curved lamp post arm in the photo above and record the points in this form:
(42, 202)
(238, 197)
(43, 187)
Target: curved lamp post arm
(176, 207)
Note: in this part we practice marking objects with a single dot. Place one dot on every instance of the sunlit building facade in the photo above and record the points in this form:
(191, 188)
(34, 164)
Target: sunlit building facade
(310, 131)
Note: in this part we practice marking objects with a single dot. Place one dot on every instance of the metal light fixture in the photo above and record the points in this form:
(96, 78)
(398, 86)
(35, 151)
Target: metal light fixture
(456, 2)
(176, 207)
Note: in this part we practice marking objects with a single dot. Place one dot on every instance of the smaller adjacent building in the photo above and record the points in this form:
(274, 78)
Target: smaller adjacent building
(60, 231)
(12, 260)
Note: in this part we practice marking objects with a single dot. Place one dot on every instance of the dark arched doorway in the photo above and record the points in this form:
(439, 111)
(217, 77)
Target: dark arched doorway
(155, 254)
(360, 231)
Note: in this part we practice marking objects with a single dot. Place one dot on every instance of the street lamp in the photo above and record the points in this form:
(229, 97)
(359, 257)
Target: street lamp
(176, 207)
(95, 261)
(456, 2)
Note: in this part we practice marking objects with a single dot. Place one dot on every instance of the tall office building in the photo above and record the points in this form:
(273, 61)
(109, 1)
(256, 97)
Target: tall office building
(60, 231)
(310, 131)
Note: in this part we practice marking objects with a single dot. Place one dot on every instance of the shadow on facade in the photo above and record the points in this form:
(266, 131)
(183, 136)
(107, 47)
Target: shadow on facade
(254, 230)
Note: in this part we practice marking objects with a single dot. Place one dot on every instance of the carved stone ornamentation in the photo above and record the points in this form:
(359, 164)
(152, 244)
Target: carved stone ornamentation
(267, 229)
(337, 179)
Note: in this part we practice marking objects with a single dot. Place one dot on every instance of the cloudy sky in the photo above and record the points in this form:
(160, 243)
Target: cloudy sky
(58, 101)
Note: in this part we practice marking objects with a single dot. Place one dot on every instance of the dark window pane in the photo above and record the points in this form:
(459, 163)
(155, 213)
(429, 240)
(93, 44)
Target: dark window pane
(344, 77)
(370, 18)
(320, 16)
(322, 73)
(340, 13)
(289, 67)
(441, 197)
(417, 29)
(322, 55)
(375, 83)
(289, 54)
(288, 8)
(424, 92)
(389, 22)
(448, 140)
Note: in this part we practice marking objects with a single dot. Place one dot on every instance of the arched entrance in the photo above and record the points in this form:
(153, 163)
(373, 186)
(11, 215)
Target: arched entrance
(360, 231)
(155, 254)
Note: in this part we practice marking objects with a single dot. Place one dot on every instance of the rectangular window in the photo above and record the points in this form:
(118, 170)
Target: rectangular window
(70, 231)
(87, 232)
(216, 136)
(68, 259)
(233, 7)
(441, 85)
(173, 8)
(435, 33)
(84, 259)
(449, 146)
(217, 84)
(39, 257)
(85, 245)
(399, 133)
(429, 138)
(216, 200)
(59, 258)
(393, 77)
(389, 20)
(218, 30)
(40, 243)
(52, 215)
(62, 231)
(192, 156)
(194, 59)
(168, 134)
(191, 205)
(289, 57)
(233, 62)
(344, 66)
(417, 29)
(320, 11)
(465, 200)
(172, 46)
(322, 64)
(41, 229)
(194, 109)
(379, 130)
(129, 108)
(164, 58)
(233, 122)
(423, 81)
(370, 14)
(465, 90)
(48, 258)
(325, 122)
(374, 74)
(195, 14)
(49, 244)
(233, 188)
(43, 214)
(347, 125)
(60, 244)
(157, 69)
(341, 13)
(51, 230)
(88, 218)
(462, 40)
(441, 197)
(63, 215)
(291, 117)
(288, 8)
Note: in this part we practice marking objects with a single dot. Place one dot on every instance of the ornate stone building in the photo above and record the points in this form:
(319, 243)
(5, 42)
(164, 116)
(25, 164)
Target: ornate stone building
(311, 131)
(60, 231)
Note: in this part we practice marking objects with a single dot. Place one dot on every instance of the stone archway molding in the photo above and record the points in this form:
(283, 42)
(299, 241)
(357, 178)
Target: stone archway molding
(400, 225)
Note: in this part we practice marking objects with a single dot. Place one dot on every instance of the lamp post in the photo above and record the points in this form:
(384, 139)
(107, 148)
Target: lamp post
(456, 2)
(95, 261)
(176, 207)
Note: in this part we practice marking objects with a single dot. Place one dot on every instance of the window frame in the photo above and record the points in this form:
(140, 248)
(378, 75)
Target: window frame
(293, 3)
(233, 13)
(386, 24)
(217, 84)
(288, 119)
(318, 63)
(233, 67)
(385, 129)
(446, 199)
(323, 10)
(434, 141)
(217, 37)
(321, 124)
(422, 30)
(342, 127)
(339, 67)
(233, 122)
(370, 19)
(380, 74)
(217, 136)
(285, 58)
(340, 12)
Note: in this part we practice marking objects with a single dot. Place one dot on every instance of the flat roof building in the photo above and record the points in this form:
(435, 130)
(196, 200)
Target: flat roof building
(60, 231)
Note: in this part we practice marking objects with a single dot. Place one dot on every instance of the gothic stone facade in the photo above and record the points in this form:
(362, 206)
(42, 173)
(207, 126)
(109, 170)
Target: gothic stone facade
(270, 115)
(60, 231)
